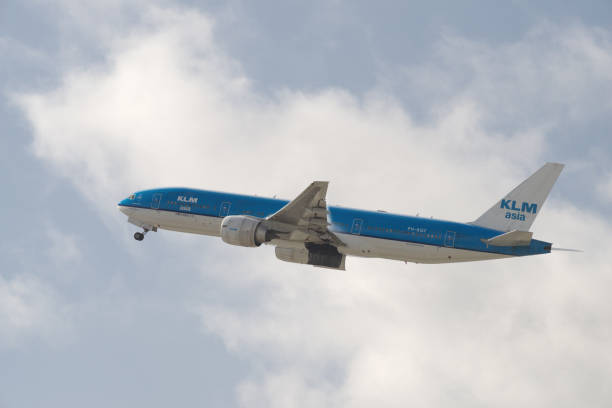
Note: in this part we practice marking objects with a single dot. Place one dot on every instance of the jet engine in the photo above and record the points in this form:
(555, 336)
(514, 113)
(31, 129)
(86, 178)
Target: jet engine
(243, 230)
(312, 254)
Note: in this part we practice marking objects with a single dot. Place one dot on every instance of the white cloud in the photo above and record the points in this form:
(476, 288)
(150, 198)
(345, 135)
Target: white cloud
(30, 309)
(520, 332)
(167, 95)
(605, 188)
(13, 49)
(169, 107)
(553, 75)
(63, 247)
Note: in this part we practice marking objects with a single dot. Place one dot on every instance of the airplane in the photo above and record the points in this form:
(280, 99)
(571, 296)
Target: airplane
(308, 231)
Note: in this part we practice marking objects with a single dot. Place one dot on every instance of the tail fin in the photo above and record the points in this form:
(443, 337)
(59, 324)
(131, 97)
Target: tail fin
(519, 208)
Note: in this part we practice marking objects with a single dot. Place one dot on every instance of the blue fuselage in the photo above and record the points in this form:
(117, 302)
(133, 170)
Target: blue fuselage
(347, 221)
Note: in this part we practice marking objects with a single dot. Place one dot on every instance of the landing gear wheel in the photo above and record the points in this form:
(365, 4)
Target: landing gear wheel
(139, 236)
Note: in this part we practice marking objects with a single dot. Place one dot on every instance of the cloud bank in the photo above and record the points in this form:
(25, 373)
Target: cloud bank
(30, 309)
(169, 107)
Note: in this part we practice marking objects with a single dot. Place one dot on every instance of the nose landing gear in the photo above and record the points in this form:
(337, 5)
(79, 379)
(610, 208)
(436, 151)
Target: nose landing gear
(139, 236)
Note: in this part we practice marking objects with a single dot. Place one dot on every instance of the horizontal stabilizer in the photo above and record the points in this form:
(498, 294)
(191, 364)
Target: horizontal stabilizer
(512, 238)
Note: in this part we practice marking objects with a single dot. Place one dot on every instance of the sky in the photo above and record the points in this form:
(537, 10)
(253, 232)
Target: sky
(435, 108)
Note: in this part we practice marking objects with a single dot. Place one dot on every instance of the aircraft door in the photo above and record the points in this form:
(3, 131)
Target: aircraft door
(224, 210)
(356, 229)
(156, 200)
(449, 240)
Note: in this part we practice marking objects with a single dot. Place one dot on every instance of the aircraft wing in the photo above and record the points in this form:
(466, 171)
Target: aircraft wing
(305, 217)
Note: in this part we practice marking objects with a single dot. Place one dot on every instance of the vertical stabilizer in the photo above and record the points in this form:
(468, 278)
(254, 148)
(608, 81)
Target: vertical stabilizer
(519, 208)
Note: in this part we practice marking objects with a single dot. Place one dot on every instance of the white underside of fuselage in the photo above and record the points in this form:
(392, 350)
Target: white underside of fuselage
(355, 245)
(173, 221)
(358, 245)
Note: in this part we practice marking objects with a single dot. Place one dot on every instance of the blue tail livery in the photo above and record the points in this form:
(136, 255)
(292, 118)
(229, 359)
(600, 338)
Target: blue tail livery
(308, 231)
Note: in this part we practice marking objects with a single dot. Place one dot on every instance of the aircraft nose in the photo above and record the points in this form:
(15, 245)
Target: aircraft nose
(123, 206)
(123, 209)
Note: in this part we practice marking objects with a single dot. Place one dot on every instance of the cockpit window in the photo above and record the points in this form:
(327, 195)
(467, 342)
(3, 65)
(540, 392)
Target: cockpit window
(133, 196)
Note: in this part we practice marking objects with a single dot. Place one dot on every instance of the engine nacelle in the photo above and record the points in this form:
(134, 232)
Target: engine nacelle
(318, 255)
(296, 255)
(243, 230)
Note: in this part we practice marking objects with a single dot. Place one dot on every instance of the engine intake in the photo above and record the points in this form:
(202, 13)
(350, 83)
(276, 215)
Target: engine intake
(243, 230)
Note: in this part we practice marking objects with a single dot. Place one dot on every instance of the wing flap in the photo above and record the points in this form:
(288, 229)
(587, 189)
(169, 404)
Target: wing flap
(307, 213)
(310, 200)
